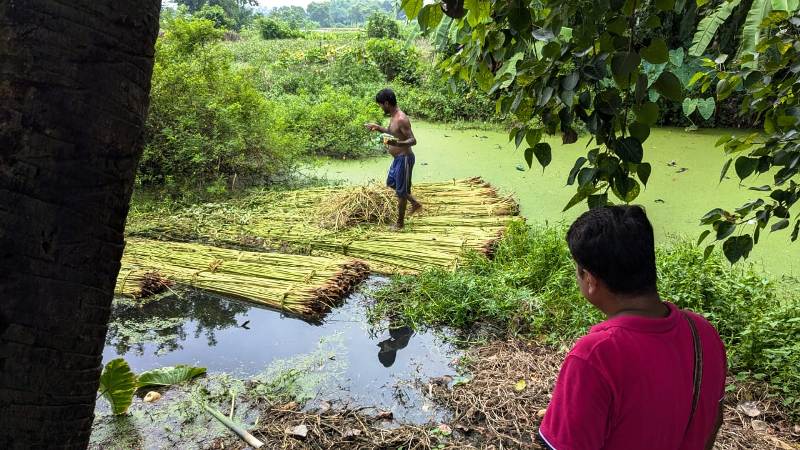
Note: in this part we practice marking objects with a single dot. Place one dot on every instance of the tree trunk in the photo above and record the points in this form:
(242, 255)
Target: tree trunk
(74, 92)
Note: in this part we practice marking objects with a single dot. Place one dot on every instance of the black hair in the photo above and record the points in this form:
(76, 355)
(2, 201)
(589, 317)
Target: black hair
(386, 95)
(615, 244)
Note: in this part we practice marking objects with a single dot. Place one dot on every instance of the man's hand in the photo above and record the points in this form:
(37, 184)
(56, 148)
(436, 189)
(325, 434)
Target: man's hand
(372, 126)
(392, 142)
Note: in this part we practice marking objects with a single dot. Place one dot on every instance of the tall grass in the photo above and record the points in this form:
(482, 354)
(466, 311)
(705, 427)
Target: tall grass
(529, 289)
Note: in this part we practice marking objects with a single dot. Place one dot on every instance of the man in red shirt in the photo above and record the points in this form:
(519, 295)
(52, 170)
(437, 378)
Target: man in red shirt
(651, 376)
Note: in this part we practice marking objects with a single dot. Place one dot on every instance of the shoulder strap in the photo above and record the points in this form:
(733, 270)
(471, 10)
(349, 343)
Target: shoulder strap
(697, 375)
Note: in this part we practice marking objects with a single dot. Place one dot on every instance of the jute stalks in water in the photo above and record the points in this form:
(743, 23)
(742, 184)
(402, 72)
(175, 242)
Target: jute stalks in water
(302, 285)
(458, 215)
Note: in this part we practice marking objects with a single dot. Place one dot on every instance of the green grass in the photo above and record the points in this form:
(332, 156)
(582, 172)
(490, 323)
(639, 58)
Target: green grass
(529, 290)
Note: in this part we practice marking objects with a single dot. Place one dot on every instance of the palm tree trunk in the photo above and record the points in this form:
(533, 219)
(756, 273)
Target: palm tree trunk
(74, 88)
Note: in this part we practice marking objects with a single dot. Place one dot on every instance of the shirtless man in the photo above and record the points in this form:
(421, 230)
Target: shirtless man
(399, 147)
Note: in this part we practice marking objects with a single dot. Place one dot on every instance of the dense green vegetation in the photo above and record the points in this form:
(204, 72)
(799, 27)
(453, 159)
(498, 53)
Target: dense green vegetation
(608, 67)
(251, 110)
(529, 289)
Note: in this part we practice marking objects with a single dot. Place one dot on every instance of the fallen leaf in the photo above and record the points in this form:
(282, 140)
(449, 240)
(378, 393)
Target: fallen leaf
(385, 415)
(796, 430)
(780, 444)
(151, 397)
(749, 409)
(445, 429)
(324, 406)
(462, 428)
(300, 431)
(759, 425)
(541, 413)
(442, 381)
(289, 406)
(520, 386)
(352, 432)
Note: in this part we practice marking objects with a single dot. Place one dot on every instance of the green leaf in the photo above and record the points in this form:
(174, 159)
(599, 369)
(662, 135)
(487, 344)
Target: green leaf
(623, 66)
(653, 22)
(168, 376)
(117, 385)
(411, 8)
(707, 251)
(669, 86)
(533, 136)
(529, 156)
(597, 201)
(676, 57)
(689, 106)
(724, 229)
(574, 172)
(626, 188)
(569, 82)
(751, 30)
(656, 52)
(796, 230)
(647, 113)
(629, 149)
(519, 137)
(711, 216)
(586, 176)
(543, 154)
(429, 17)
(639, 131)
(708, 27)
(695, 78)
(703, 237)
(643, 171)
(577, 198)
(665, 5)
(725, 169)
(779, 225)
(505, 76)
(641, 88)
(706, 107)
(477, 11)
(737, 247)
(745, 166)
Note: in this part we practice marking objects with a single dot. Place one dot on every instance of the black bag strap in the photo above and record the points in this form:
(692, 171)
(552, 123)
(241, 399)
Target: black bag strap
(697, 375)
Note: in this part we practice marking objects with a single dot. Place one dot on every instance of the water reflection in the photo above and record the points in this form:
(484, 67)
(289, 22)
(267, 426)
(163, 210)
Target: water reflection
(241, 339)
(398, 339)
(162, 323)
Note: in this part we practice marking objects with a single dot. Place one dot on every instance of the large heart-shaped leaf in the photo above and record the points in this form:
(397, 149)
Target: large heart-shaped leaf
(737, 247)
(117, 385)
(168, 376)
(669, 86)
(706, 107)
(656, 52)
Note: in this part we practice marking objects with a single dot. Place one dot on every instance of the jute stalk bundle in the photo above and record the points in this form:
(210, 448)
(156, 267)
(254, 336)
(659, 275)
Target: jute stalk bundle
(302, 285)
(458, 215)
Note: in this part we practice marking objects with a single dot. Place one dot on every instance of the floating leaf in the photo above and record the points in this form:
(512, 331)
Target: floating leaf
(168, 376)
(117, 385)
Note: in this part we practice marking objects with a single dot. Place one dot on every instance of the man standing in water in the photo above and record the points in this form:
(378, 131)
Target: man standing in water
(399, 146)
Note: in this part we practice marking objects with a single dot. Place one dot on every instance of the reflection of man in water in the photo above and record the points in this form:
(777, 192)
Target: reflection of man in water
(398, 339)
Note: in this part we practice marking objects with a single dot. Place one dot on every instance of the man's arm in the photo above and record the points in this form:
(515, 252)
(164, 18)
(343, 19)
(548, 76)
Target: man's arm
(376, 127)
(405, 130)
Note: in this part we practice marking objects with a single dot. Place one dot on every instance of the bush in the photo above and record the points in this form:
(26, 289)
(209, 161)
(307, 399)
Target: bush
(394, 59)
(382, 26)
(207, 122)
(332, 123)
(529, 288)
(270, 28)
(217, 15)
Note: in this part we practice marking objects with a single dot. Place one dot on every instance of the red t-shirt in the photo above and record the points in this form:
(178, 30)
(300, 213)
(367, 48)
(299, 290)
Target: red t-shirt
(628, 385)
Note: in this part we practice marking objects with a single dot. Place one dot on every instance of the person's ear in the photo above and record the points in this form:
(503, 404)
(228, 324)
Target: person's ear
(590, 282)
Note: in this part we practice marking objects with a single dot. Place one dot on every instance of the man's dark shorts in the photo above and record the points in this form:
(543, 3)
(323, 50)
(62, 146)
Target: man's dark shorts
(399, 177)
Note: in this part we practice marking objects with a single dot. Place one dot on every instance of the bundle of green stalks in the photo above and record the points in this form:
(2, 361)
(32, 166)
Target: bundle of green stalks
(457, 215)
(302, 285)
(359, 205)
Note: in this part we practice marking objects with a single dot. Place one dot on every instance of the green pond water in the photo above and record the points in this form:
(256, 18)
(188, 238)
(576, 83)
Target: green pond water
(675, 198)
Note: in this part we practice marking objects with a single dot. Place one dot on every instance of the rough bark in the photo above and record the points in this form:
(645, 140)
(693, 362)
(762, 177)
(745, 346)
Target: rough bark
(74, 87)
